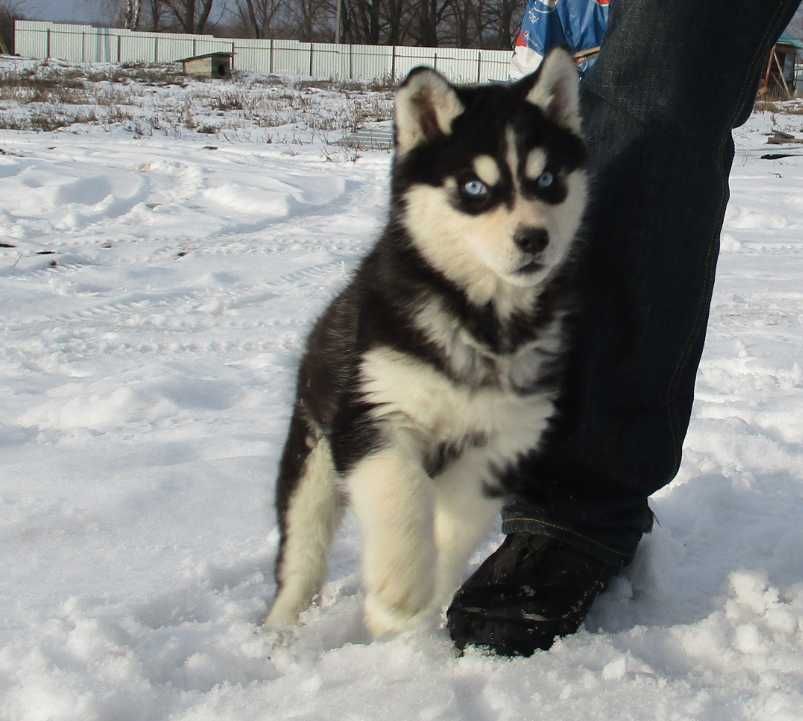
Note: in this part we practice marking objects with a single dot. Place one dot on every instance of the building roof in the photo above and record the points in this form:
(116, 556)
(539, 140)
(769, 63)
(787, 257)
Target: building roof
(221, 53)
(791, 41)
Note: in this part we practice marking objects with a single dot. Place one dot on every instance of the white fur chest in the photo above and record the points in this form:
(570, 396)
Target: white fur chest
(412, 395)
(476, 365)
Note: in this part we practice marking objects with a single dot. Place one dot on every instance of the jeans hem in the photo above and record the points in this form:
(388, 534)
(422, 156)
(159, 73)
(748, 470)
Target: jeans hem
(580, 541)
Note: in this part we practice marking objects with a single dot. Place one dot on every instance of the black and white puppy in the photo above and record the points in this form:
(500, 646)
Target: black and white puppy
(435, 371)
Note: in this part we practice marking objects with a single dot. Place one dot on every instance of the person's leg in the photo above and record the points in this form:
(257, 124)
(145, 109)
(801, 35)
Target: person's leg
(671, 82)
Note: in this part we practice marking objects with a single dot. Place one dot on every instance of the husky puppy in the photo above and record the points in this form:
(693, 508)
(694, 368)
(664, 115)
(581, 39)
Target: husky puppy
(435, 371)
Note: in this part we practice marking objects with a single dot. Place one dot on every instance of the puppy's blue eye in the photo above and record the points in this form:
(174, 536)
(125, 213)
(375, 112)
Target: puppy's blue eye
(475, 189)
(545, 180)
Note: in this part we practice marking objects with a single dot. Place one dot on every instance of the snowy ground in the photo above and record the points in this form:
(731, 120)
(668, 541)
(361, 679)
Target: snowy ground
(155, 301)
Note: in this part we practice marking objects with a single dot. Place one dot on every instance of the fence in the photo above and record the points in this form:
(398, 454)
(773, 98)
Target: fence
(320, 61)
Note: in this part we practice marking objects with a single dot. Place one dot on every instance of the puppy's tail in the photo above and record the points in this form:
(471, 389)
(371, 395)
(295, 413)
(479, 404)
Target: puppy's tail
(309, 508)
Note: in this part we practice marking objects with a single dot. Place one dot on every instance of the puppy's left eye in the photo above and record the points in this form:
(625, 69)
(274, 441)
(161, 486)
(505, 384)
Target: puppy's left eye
(475, 188)
(545, 180)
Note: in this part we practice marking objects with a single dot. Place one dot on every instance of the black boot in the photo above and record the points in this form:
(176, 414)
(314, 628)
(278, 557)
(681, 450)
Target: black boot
(531, 590)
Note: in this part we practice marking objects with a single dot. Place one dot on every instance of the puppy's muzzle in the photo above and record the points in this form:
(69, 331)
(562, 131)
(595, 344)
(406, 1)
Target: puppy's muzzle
(531, 240)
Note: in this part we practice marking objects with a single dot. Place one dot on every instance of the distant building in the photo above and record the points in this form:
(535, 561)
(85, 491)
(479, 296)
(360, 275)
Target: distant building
(782, 78)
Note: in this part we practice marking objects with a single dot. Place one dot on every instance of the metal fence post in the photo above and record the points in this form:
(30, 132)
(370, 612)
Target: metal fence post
(393, 65)
(194, 47)
(119, 48)
(351, 62)
(83, 46)
(47, 51)
(156, 50)
(435, 62)
(310, 59)
(232, 55)
(270, 59)
(479, 65)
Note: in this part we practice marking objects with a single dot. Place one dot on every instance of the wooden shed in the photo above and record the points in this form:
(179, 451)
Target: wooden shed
(210, 65)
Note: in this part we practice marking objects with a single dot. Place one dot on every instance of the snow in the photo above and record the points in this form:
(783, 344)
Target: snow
(146, 374)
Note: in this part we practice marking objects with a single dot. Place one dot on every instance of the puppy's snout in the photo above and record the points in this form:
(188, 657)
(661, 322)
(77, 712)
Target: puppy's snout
(531, 240)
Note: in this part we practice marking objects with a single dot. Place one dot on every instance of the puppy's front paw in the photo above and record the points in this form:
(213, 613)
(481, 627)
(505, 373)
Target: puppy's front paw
(384, 620)
(281, 615)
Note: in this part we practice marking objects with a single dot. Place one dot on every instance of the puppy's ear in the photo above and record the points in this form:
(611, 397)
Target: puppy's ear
(555, 89)
(425, 106)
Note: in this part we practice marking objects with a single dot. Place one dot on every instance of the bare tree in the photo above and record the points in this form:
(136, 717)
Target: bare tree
(314, 19)
(503, 18)
(463, 22)
(259, 15)
(361, 21)
(395, 20)
(10, 10)
(131, 11)
(154, 11)
(192, 16)
(429, 17)
(131, 14)
(375, 22)
(481, 24)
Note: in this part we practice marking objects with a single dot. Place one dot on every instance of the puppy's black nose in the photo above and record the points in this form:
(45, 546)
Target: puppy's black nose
(531, 240)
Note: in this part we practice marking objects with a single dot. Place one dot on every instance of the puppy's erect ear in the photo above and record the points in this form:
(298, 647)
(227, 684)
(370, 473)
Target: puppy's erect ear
(556, 89)
(425, 106)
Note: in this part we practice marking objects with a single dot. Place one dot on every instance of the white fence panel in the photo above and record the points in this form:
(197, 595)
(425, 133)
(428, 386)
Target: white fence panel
(135, 48)
(255, 56)
(172, 48)
(371, 62)
(101, 46)
(495, 65)
(30, 40)
(460, 66)
(291, 57)
(31, 25)
(329, 61)
(210, 45)
(322, 61)
(67, 42)
(408, 58)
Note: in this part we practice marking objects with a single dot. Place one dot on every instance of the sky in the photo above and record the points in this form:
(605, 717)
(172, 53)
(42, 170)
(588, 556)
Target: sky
(72, 10)
(92, 10)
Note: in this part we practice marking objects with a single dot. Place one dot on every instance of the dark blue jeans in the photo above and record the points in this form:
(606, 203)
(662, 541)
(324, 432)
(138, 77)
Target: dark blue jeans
(672, 80)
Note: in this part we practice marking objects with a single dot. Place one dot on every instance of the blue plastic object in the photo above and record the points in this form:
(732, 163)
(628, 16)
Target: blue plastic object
(576, 25)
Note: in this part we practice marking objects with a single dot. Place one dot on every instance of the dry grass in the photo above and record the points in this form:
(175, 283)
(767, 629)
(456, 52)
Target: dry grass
(58, 100)
(785, 107)
(162, 75)
(228, 101)
(111, 95)
(383, 85)
(26, 88)
(269, 81)
(46, 122)
(149, 100)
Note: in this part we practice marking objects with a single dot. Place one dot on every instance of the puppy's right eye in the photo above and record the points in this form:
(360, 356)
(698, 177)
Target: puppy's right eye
(474, 188)
(545, 180)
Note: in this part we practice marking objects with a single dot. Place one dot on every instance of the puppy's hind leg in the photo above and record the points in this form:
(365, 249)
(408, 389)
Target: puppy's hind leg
(309, 508)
